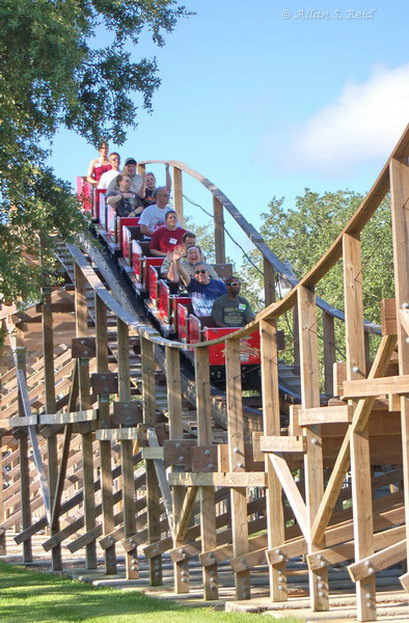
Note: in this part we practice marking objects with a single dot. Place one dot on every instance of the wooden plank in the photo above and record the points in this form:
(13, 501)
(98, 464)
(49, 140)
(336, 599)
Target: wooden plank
(219, 231)
(404, 319)
(313, 458)
(370, 565)
(329, 350)
(152, 486)
(231, 479)
(207, 495)
(388, 315)
(269, 282)
(272, 426)
(283, 444)
(178, 193)
(376, 387)
(399, 174)
(359, 443)
(325, 415)
(180, 512)
(235, 428)
(75, 417)
(117, 434)
(49, 381)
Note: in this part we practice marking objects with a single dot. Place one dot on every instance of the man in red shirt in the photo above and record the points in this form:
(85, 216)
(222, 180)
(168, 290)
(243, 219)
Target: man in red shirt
(166, 238)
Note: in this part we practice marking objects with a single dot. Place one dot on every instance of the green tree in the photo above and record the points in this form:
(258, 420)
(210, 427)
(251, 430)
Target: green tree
(53, 75)
(303, 233)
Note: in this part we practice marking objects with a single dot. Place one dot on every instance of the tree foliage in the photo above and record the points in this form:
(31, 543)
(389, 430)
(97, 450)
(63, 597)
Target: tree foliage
(53, 75)
(302, 234)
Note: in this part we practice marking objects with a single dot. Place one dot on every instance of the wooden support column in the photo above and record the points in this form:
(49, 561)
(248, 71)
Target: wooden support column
(129, 509)
(152, 485)
(207, 494)
(108, 522)
(174, 396)
(81, 312)
(399, 176)
(24, 466)
(178, 194)
(49, 381)
(219, 237)
(313, 458)
(2, 511)
(359, 445)
(296, 337)
(271, 426)
(329, 351)
(269, 283)
(235, 430)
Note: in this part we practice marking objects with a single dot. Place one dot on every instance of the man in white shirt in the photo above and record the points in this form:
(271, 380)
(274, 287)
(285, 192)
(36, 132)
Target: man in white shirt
(107, 177)
(153, 217)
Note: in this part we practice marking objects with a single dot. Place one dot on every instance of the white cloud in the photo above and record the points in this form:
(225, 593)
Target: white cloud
(362, 125)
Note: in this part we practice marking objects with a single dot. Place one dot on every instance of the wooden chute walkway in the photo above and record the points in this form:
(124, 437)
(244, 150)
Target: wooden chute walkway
(109, 447)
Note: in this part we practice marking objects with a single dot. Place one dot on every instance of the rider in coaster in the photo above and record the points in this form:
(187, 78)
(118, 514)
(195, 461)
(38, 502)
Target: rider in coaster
(203, 289)
(231, 309)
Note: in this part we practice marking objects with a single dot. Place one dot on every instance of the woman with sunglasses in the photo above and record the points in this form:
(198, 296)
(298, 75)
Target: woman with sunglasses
(203, 289)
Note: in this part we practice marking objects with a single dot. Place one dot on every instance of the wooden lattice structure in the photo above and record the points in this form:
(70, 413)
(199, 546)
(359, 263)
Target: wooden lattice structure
(105, 443)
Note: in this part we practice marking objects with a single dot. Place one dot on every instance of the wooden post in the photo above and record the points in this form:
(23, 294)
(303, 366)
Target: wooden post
(296, 337)
(174, 397)
(207, 497)
(24, 467)
(235, 430)
(152, 485)
(271, 426)
(313, 459)
(329, 351)
(399, 175)
(178, 194)
(49, 381)
(129, 510)
(359, 445)
(269, 283)
(2, 511)
(105, 446)
(81, 312)
(219, 236)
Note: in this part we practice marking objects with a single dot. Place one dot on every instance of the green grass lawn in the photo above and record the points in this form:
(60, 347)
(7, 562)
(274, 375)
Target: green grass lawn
(28, 596)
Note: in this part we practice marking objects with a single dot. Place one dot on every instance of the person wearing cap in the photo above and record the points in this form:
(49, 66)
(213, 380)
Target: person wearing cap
(231, 309)
(137, 181)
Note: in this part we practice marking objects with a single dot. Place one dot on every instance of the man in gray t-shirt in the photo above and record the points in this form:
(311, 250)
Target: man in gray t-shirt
(232, 310)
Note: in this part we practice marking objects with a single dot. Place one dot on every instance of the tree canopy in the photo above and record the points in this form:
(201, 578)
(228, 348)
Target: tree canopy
(53, 75)
(302, 234)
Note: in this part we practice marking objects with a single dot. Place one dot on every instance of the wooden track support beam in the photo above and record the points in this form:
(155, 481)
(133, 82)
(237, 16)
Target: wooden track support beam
(313, 458)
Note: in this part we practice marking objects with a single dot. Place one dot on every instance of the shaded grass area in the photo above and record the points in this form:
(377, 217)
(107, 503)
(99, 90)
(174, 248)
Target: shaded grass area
(27, 596)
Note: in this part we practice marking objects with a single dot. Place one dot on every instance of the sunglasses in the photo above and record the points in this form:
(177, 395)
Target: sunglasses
(197, 272)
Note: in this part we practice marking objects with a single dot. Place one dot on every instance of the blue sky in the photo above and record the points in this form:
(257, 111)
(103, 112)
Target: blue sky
(270, 97)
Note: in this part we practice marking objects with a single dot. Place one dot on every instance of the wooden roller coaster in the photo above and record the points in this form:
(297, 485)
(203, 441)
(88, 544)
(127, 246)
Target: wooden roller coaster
(113, 446)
